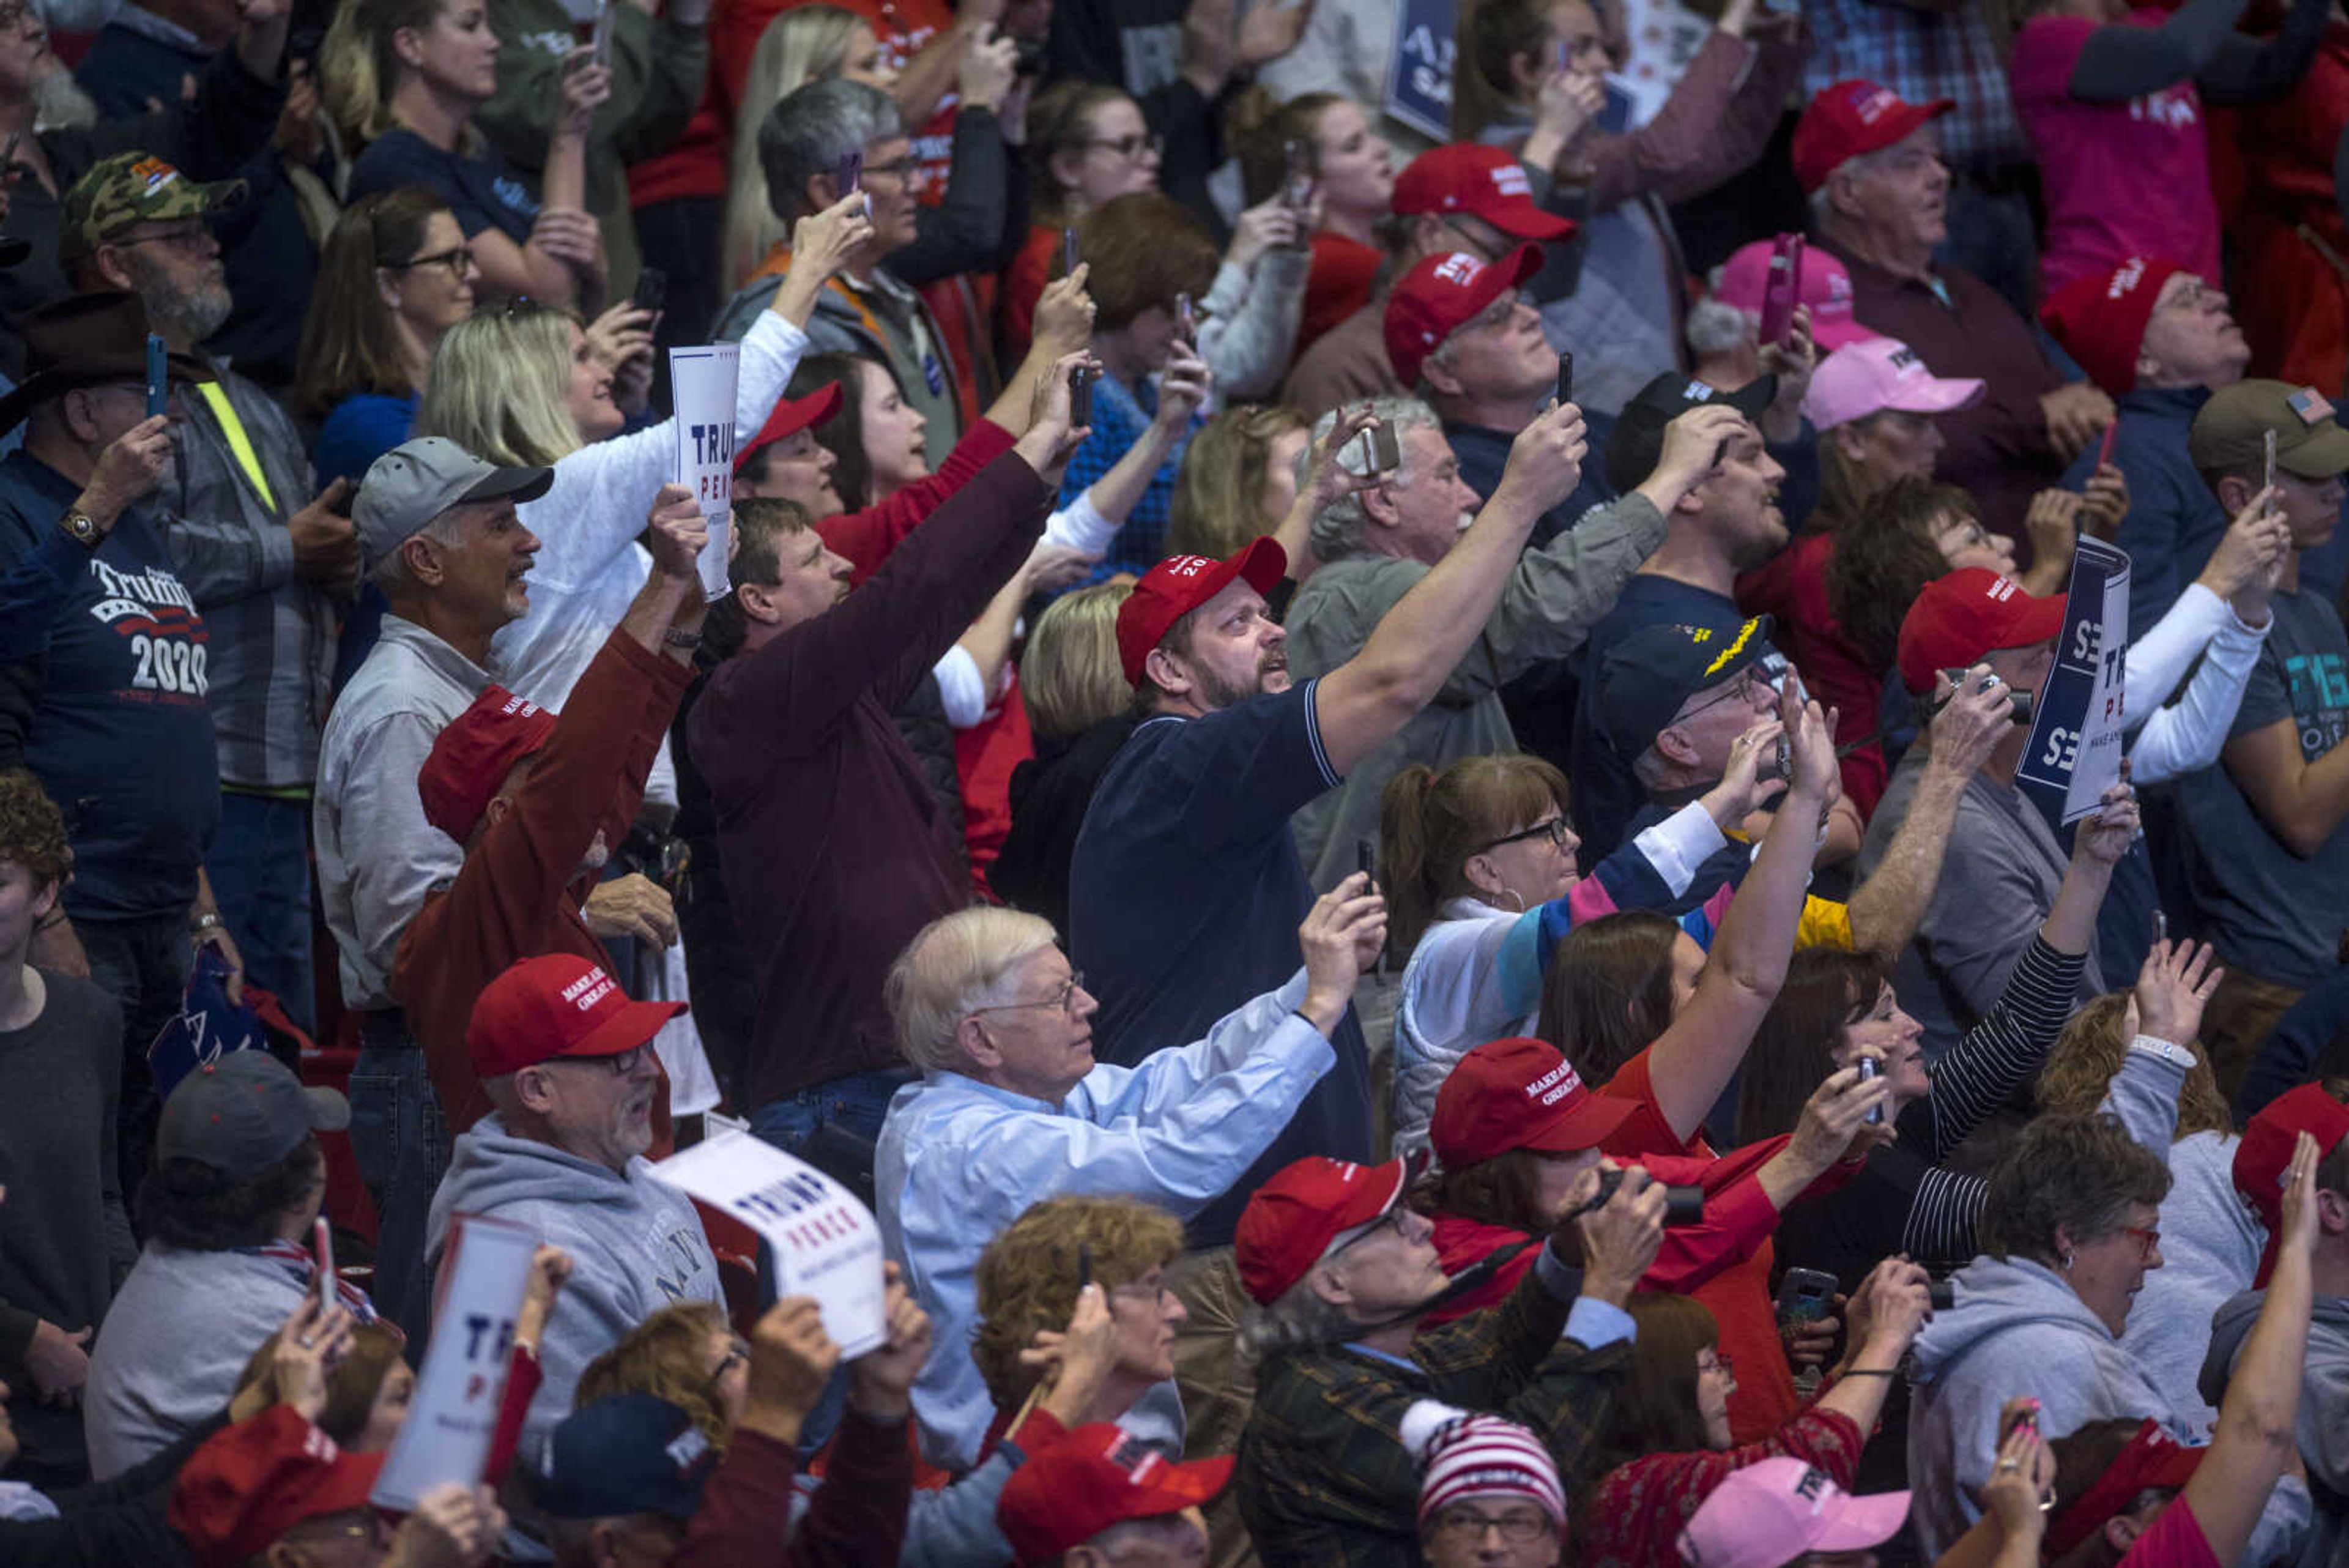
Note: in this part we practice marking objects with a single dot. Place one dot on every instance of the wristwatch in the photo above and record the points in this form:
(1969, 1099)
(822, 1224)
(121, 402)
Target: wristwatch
(207, 921)
(82, 528)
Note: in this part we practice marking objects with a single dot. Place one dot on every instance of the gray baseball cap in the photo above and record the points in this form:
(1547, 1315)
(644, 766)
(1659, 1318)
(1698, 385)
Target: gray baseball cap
(417, 480)
(242, 1113)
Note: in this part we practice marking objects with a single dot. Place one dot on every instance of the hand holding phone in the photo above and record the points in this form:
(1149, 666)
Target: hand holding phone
(1868, 1071)
(848, 177)
(1297, 184)
(1805, 1296)
(1380, 450)
(1081, 396)
(1566, 377)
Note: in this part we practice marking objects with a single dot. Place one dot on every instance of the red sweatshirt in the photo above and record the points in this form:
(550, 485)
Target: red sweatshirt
(865, 538)
(514, 899)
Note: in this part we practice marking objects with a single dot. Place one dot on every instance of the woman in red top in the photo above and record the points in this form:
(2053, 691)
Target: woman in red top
(1644, 1013)
(1671, 1445)
(1519, 1139)
(1351, 172)
(1088, 143)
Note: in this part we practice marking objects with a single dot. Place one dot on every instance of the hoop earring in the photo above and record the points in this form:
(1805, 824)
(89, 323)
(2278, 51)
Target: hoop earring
(1515, 899)
(2064, 1264)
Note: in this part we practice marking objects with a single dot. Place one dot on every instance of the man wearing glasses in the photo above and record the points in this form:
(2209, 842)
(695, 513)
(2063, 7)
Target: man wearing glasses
(1012, 1109)
(272, 566)
(565, 1058)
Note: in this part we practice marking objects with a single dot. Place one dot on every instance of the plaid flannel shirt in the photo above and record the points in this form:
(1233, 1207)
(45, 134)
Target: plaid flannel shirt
(1923, 56)
(1120, 419)
(1323, 1474)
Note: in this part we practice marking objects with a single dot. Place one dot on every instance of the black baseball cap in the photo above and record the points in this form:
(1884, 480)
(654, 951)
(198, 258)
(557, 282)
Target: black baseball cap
(1645, 678)
(630, 1453)
(1637, 443)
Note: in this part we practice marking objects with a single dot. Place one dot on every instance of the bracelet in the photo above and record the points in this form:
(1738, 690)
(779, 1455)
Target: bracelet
(674, 637)
(207, 921)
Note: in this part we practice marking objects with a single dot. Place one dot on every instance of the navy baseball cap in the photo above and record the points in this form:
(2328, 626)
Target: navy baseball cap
(1637, 443)
(1645, 678)
(633, 1453)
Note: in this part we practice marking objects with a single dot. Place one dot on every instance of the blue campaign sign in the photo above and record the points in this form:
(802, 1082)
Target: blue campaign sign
(1419, 67)
(2074, 751)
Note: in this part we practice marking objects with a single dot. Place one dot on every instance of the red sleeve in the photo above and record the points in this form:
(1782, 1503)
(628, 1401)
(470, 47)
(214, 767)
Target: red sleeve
(1645, 1131)
(2174, 1540)
(745, 1516)
(523, 1379)
(1770, 589)
(865, 538)
(735, 26)
(858, 1515)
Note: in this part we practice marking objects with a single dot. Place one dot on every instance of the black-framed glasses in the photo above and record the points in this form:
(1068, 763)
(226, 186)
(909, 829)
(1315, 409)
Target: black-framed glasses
(903, 171)
(1065, 999)
(1131, 148)
(1470, 1523)
(190, 239)
(459, 261)
(1389, 1220)
(1770, 671)
(1556, 830)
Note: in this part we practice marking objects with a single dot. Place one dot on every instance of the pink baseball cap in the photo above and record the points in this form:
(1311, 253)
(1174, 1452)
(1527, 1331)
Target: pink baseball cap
(1824, 284)
(1769, 1514)
(1879, 373)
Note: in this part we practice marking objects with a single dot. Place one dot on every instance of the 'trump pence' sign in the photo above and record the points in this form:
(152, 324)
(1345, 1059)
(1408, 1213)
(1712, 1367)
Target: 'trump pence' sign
(701, 382)
(824, 1244)
(485, 1274)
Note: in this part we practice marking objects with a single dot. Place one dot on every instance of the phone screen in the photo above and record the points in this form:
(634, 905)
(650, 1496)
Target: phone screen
(600, 41)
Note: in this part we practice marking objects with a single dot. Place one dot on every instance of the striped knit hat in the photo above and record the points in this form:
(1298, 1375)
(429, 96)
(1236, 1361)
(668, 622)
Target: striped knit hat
(1485, 1456)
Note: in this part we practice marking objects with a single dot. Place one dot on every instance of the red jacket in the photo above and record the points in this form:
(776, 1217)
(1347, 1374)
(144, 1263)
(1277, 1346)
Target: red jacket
(1635, 1516)
(1792, 589)
(865, 538)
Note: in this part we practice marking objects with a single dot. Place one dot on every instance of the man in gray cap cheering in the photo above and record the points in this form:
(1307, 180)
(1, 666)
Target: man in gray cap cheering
(439, 536)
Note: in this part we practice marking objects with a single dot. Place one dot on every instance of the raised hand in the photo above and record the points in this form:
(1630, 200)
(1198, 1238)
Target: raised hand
(676, 532)
(2173, 987)
(130, 467)
(2105, 837)
(881, 1381)
(791, 1361)
(1620, 1237)
(1052, 435)
(1064, 316)
(1546, 459)
(631, 905)
(1834, 1122)
(1975, 716)
(2104, 502)
(1742, 788)
(1341, 936)
(586, 87)
(1075, 1364)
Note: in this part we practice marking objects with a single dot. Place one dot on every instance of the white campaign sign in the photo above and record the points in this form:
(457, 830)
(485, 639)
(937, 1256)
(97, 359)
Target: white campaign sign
(702, 383)
(825, 1244)
(454, 1414)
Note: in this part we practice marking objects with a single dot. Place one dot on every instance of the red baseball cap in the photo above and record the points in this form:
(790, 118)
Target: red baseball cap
(1824, 284)
(471, 758)
(1485, 182)
(791, 415)
(2153, 1458)
(1096, 1477)
(1443, 294)
(1518, 1093)
(558, 1004)
(2266, 1149)
(1181, 584)
(1958, 618)
(250, 1483)
(1849, 118)
(2100, 318)
(1293, 1218)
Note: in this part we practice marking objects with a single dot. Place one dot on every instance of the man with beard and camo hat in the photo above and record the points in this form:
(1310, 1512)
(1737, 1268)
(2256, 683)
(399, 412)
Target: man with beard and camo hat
(269, 564)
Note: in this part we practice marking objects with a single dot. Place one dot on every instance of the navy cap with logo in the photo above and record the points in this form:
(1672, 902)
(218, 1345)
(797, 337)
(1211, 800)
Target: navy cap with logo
(632, 1453)
(1637, 443)
(242, 1113)
(1644, 678)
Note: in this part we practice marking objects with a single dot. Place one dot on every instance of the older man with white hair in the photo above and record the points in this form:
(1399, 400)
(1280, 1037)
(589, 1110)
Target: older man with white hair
(1011, 1107)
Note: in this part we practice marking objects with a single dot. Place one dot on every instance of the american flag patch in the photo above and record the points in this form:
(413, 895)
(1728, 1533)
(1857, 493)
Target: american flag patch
(2309, 405)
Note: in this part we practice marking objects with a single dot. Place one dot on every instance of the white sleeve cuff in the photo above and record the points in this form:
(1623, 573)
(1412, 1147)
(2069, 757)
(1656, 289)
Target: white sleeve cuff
(961, 688)
(1081, 526)
(1679, 844)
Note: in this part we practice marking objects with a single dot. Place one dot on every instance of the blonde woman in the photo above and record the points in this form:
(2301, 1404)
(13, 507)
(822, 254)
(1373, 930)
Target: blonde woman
(1238, 480)
(403, 78)
(1080, 712)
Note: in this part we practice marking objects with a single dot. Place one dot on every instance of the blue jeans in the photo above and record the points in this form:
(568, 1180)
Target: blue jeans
(855, 1103)
(401, 1145)
(143, 965)
(260, 871)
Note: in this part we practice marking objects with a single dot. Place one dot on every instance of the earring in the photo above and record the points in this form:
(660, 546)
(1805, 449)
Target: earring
(1516, 898)
(2064, 1263)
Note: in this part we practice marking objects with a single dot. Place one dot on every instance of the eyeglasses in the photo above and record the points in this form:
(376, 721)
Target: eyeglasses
(1132, 147)
(191, 239)
(2147, 1240)
(1747, 688)
(1151, 1291)
(1065, 999)
(1556, 830)
(2192, 293)
(1470, 1523)
(16, 15)
(1389, 1220)
(902, 171)
(459, 262)
(1721, 1364)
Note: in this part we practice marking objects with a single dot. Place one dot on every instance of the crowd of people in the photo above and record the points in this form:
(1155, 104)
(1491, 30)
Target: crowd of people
(1398, 734)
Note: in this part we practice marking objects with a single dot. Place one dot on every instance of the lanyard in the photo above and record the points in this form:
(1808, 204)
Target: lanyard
(239, 443)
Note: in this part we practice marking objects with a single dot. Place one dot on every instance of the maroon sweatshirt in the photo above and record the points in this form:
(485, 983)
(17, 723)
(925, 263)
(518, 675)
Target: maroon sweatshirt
(856, 1519)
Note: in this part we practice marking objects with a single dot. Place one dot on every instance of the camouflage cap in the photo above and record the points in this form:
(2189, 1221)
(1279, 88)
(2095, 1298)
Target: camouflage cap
(132, 188)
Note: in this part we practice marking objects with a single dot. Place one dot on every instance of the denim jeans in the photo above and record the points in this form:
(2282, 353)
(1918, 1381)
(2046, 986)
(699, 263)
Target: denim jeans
(143, 965)
(260, 871)
(401, 1146)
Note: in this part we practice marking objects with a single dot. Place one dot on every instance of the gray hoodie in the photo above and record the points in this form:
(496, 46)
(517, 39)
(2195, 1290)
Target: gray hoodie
(636, 1247)
(2323, 1421)
(2016, 1328)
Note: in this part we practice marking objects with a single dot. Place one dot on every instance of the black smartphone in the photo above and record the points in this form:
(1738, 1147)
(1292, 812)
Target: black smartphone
(1868, 1070)
(159, 391)
(1805, 1296)
(1366, 859)
(1081, 396)
(652, 289)
(1566, 377)
(1297, 184)
(1029, 59)
(1067, 251)
(849, 177)
(1084, 1265)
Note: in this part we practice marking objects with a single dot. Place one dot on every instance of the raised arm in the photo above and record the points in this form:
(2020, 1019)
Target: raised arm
(2118, 63)
(1693, 1062)
(1886, 908)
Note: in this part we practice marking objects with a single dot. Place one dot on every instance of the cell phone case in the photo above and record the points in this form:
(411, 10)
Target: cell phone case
(1778, 293)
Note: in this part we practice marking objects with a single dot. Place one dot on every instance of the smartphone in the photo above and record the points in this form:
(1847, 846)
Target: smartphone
(2267, 460)
(1030, 58)
(1869, 1070)
(1366, 861)
(1805, 1296)
(1067, 251)
(1381, 449)
(158, 389)
(600, 41)
(2105, 447)
(849, 176)
(2161, 926)
(1560, 54)
(322, 1242)
(1186, 319)
(1084, 1265)
(2027, 1418)
(1081, 396)
(652, 289)
(1778, 292)
(2018, 700)
(1566, 377)
(1297, 184)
